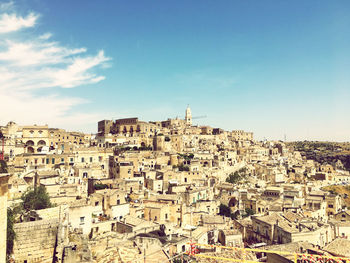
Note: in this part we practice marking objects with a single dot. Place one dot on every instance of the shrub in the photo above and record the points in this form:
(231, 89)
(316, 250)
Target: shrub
(100, 186)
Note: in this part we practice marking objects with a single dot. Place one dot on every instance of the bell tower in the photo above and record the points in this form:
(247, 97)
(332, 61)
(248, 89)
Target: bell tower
(188, 116)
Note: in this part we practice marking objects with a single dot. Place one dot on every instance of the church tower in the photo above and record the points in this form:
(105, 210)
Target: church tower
(188, 116)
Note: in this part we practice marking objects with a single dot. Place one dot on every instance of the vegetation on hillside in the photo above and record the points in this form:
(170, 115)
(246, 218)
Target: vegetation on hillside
(324, 152)
(342, 190)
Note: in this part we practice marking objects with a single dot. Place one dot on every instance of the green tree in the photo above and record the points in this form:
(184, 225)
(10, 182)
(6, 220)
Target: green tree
(235, 215)
(237, 176)
(224, 210)
(233, 178)
(248, 212)
(11, 235)
(36, 199)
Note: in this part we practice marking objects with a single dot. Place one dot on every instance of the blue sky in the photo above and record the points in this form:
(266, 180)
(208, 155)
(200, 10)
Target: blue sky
(271, 67)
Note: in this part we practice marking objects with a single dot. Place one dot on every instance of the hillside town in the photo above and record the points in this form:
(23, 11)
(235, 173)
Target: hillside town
(165, 191)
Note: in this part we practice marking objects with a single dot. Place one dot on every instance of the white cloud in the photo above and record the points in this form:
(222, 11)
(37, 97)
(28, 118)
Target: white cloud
(12, 22)
(27, 66)
(45, 36)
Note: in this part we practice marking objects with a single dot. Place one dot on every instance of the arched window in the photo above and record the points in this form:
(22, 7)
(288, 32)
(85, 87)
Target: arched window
(41, 143)
(30, 143)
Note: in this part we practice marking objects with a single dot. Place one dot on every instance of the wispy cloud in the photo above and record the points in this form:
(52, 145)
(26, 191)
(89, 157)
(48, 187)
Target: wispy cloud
(12, 22)
(6, 6)
(26, 66)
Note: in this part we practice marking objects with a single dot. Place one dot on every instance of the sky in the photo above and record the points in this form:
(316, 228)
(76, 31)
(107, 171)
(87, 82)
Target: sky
(276, 68)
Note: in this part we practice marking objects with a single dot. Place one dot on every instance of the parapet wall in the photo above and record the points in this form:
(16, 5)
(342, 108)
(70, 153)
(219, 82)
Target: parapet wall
(49, 213)
(35, 241)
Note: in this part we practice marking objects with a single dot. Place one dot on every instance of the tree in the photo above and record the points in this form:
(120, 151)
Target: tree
(224, 210)
(235, 215)
(11, 235)
(237, 176)
(248, 212)
(233, 178)
(36, 199)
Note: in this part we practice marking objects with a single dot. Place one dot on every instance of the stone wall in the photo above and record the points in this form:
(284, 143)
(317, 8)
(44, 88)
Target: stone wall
(49, 213)
(3, 216)
(35, 241)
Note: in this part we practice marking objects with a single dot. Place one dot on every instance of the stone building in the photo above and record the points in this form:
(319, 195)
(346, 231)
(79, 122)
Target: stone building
(35, 138)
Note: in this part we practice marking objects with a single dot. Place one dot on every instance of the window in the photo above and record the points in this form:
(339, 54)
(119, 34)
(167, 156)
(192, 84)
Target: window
(47, 160)
(82, 159)
(90, 159)
(62, 160)
(330, 206)
(166, 216)
(118, 202)
(71, 160)
(82, 219)
(53, 161)
(96, 203)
